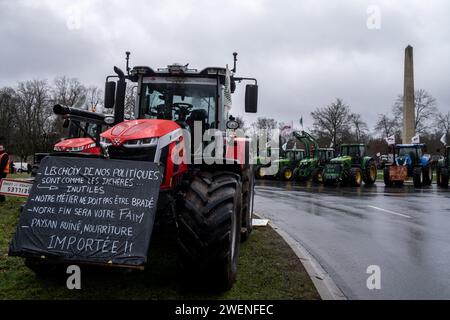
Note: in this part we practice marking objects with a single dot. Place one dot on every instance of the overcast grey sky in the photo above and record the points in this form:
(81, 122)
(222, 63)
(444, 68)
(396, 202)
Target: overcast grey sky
(304, 53)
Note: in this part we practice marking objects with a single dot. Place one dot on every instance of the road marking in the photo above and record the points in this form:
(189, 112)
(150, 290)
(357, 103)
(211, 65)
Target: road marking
(391, 212)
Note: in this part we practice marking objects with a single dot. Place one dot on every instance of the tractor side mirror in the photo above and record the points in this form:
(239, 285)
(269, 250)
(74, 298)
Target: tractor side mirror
(251, 98)
(110, 91)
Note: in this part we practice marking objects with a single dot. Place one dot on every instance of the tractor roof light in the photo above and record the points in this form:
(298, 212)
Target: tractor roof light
(177, 68)
(141, 71)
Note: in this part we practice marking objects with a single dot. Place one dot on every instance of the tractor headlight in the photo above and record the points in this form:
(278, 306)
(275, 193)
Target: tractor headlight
(75, 149)
(141, 143)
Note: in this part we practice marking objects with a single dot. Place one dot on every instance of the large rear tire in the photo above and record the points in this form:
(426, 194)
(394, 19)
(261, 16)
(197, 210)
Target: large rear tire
(417, 177)
(444, 177)
(248, 192)
(427, 176)
(370, 173)
(317, 175)
(209, 229)
(438, 176)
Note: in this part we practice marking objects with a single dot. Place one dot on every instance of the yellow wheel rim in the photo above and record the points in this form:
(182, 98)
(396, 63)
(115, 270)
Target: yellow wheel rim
(358, 177)
(262, 172)
(320, 177)
(373, 172)
(288, 174)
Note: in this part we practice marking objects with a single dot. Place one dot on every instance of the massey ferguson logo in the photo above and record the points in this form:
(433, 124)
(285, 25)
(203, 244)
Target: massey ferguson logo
(116, 141)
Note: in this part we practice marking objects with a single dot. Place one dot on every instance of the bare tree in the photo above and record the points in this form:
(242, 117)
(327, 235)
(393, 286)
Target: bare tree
(69, 92)
(387, 126)
(266, 124)
(359, 126)
(442, 123)
(94, 98)
(130, 101)
(34, 117)
(425, 109)
(332, 121)
(7, 120)
(241, 122)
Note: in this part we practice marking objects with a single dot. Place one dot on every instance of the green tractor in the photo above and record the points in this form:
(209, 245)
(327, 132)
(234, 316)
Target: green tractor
(287, 162)
(352, 167)
(443, 169)
(311, 167)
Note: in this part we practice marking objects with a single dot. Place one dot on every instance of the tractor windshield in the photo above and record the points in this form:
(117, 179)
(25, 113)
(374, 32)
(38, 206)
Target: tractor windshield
(326, 154)
(90, 129)
(401, 152)
(352, 151)
(294, 155)
(182, 102)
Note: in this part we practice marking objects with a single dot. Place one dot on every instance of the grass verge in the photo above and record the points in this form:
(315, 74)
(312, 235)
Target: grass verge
(268, 269)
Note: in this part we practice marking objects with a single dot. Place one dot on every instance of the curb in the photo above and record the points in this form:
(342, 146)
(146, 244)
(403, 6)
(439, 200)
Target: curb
(326, 287)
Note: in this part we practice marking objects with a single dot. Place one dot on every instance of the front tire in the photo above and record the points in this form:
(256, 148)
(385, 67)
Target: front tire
(286, 174)
(427, 176)
(438, 176)
(258, 172)
(370, 173)
(209, 228)
(355, 177)
(417, 177)
(317, 175)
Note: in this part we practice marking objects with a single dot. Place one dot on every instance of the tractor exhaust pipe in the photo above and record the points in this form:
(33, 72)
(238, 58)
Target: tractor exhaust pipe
(119, 110)
(82, 114)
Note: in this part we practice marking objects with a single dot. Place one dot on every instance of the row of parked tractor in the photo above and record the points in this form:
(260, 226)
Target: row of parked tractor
(353, 166)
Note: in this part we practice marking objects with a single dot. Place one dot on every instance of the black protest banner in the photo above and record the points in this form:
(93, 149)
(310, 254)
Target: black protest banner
(90, 210)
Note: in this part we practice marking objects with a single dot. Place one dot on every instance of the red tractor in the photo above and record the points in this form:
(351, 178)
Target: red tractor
(84, 129)
(209, 198)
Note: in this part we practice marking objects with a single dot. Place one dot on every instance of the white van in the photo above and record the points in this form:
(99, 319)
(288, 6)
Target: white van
(20, 167)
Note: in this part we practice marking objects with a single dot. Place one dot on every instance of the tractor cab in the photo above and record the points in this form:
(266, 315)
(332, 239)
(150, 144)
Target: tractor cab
(295, 155)
(409, 161)
(410, 155)
(355, 151)
(326, 154)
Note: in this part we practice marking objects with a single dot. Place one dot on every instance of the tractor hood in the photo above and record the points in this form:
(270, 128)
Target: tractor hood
(75, 144)
(307, 162)
(342, 159)
(138, 130)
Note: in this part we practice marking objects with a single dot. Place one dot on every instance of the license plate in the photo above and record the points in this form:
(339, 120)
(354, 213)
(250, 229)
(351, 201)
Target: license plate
(15, 188)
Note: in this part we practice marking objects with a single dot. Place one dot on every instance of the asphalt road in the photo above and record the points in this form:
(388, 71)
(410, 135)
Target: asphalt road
(404, 231)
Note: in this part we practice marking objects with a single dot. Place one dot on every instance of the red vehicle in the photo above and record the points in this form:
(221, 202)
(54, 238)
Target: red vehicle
(84, 130)
(211, 202)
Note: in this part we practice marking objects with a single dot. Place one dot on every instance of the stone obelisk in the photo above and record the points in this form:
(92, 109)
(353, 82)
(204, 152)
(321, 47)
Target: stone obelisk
(408, 98)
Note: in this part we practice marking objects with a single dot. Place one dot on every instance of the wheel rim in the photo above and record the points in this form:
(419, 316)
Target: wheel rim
(320, 177)
(262, 172)
(373, 173)
(358, 177)
(288, 174)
